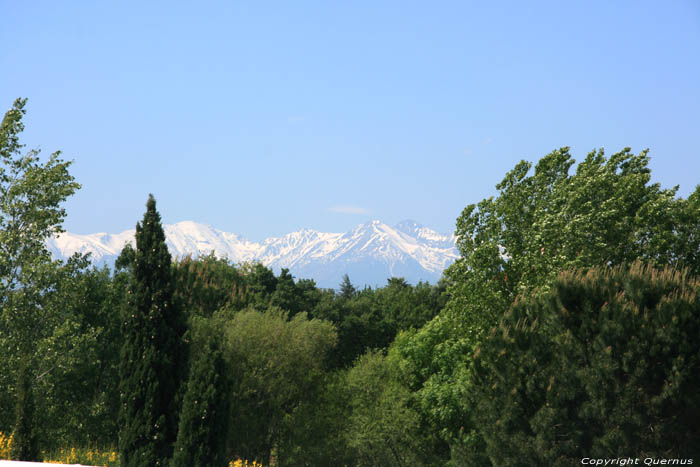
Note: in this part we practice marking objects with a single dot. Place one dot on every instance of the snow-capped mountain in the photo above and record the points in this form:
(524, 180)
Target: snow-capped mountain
(370, 253)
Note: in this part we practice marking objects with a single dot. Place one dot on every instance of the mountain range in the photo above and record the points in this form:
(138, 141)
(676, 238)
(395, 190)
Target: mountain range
(370, 253)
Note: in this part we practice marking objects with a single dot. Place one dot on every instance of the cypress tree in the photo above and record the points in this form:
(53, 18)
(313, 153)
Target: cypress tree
(152, 351)
(203, 422)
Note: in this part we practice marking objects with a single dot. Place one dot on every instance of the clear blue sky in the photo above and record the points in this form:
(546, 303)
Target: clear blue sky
(264, 117)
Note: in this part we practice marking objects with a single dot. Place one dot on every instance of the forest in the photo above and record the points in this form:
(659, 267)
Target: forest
(568, 329)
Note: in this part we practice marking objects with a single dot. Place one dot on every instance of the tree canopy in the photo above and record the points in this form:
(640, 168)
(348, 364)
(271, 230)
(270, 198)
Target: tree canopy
(566, 329)
(603, 365)
(605, 212)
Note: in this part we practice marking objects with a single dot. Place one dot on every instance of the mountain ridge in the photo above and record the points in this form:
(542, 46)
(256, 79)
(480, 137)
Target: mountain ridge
(370, 253)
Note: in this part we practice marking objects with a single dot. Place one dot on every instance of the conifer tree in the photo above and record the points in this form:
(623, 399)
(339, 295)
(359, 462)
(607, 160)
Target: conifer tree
(203, 422)
(606, 363)
(347, 290)
(152, 351)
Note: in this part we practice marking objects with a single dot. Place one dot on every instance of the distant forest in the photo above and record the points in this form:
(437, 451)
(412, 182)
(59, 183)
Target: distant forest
(567, 330)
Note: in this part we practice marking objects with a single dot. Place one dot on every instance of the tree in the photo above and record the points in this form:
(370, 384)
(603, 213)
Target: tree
(362, 325)
(31, 194)
(152, 353)
(79, 384)
(407, 306)
(285, 294)
(604, 364)
(30, 197)
(382, 428)
(371, 318)
(24, 439)
(605, 213)
(278, 365)
(261, 282)
(201, 434)
(207, 284)
(347, 290)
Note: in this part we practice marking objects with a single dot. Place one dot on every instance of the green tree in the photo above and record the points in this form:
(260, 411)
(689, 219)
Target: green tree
(603, 365)
(604, 213)
(201, 434)
(207, 284)
(125, 260)
(408, 306)
(31, 195)
(152, 353)
(24, 444)
(382, 427)
(278, 366)
(261, 283)
(317, 429)
(285, 294)
(371, 318)
(307, 295)
(607, 212)
(361, 323)
(347, 290)
(79, 368)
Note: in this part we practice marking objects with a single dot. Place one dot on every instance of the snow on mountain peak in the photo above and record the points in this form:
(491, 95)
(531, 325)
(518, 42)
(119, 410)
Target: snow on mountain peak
(371, 252)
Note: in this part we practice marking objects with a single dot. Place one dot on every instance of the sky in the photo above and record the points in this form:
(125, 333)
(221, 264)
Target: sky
(261, 118)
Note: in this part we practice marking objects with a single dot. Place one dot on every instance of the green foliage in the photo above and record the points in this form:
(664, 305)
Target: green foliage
(347, 290)
(600, 362)
(126, 259)
(317, 428)
(207, 284)
(31, 194)
(277, 366)
(434, 368)
(604, 365)
(261, 282)
(382, 428)
(152, 351)
(204, 417)
(79, 382)
(24, 442)
(286, 295)
(605, 213)
(30, 197)
(371, 318)
(362, 325)
(407, 306)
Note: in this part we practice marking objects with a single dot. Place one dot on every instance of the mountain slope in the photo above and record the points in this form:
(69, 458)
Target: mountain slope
(370, 253)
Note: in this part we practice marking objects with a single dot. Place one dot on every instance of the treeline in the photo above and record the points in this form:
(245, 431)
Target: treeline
(192, 361)
(568, 329)
(271, 348)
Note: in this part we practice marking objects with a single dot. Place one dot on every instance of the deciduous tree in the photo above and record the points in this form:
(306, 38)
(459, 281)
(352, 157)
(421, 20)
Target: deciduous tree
(607, 212)
(278, 365)
(31, 197)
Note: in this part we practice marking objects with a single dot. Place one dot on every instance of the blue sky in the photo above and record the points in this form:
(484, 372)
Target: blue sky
(264, 117)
